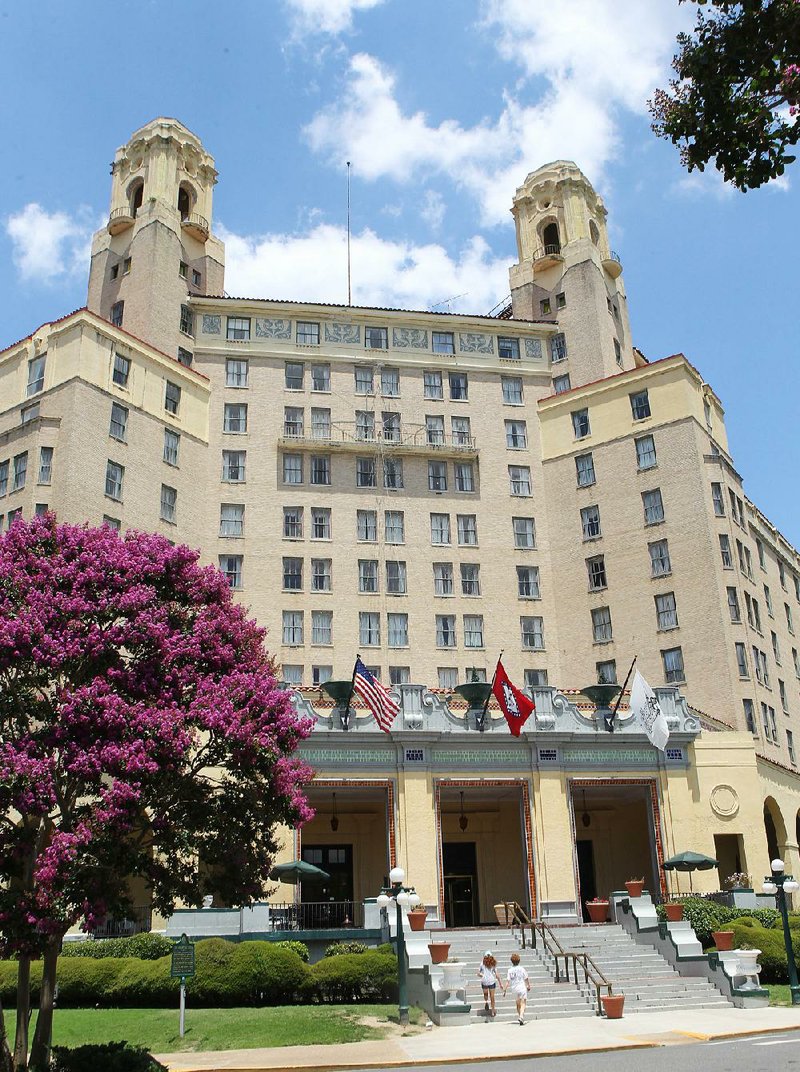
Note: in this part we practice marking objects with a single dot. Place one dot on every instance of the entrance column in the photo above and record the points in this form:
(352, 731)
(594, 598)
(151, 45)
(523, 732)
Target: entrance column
(555, 848)
(417, 835)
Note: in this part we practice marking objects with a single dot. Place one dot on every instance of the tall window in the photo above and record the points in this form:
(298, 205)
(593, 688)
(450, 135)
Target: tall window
(321, 378)
(320, 523)
(320, 423)
(512, 390)
(292, 421)
(3, 477)
(741, 660)
(292, 674)
(470, 579)
(397, 630)
(236, 372)
(119, 422)
(718, 499)
(365, 473)
(459, 387)
(558, 348)
(434, 429)
(462, 435)
(445, 631)
(117, 313)
(725, 551)
(367, 575)
(320, 575)
(394, 526)
(231, 567)
(293, 468)
(437, 476)
(367, 525)
(292, 627)
(115, 474)
(507, 348)
(365, 380)
(390, 382)
(463, 476)
(640, 405)
(653, 506)
(645, 452)
(443, 342)
(172, 397)
(660, 564)
(391, 426)
(524, 532)
(448, 677)
(172, 443)
(238, 328)
(596, 569)
(396, 578)
(186, 320)
(601, 625)
(473, 630)
(443, 578)
(322, 627)
(320, 469)
(516, 435)
(666, 611)
(369, 629)
(580, 423)
(376, 338)
(440, 528)
(532, 632)
(590, 522)
(169, 503)
(46, 466)
(233, 466)
(672, 659)
(234, 418)
(528, 582)
(467, 530)
(36, 375)
(293, 522)
(231, 519)
(584, 466)
(293, 375)
(293, 574)
(561, 384)
(393, 473)
(432, 385)
(121, 370)
(307, 333)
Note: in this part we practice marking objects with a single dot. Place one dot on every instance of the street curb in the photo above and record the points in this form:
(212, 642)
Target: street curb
(701, 1037)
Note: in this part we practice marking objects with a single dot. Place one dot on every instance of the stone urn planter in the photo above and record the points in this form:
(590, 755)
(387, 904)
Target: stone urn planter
(416, 918)
(453, 973)
(439, 951)
(598, 910)
(674, 912)
(612, 1005)
(476, 693)
(748, 965)
(635, 886)
(723, 940)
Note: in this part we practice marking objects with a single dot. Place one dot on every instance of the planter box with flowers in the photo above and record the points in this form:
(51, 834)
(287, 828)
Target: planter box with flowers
(597, 909)
(635, 887)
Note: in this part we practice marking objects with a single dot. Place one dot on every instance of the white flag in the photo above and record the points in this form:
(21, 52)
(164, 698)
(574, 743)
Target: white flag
(648, 710)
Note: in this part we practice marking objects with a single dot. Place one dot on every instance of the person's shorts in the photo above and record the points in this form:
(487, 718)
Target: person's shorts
(489, 986)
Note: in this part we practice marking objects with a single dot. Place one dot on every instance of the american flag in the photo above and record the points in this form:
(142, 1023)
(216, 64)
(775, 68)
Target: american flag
(375, 696)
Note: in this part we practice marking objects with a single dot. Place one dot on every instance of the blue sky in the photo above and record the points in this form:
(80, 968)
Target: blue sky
(443, 106)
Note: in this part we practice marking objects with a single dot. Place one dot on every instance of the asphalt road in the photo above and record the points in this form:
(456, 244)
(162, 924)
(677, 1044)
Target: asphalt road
(759, 1053)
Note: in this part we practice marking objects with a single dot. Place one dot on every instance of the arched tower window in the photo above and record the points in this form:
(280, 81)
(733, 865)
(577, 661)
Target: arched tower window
(550, 238)
(136, 194)
(185, 201)
(594, 233)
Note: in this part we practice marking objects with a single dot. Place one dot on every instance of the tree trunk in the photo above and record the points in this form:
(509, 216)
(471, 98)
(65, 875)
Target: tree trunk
(43, 1035)
(6, 1064)
(23, 1014)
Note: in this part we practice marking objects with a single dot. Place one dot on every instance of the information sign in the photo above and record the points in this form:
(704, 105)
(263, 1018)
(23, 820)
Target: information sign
(182, 958)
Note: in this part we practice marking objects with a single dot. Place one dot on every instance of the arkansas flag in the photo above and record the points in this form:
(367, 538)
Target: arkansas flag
(515, 705)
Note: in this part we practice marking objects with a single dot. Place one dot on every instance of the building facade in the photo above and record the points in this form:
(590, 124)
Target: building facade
(428, 489)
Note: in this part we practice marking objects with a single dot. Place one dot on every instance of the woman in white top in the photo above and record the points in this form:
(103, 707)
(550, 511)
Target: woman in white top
(489, 980)
(520, 983)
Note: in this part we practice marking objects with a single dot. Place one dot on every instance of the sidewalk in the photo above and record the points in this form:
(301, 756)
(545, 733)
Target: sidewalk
(478, 1042)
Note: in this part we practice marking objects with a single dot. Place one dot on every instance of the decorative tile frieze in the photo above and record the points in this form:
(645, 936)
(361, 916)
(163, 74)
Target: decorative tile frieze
(349, 334)
(533, 349)
(472, 342)
(411, 338)
(608, 757)
(212, 324)
(335, 757)
(267, 328)
(478, 757)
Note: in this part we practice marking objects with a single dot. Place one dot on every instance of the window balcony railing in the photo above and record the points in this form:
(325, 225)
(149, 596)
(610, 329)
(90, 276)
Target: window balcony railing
(612, 264)
(120, 219)
(140, 919)
(411, 439)
(196, 225)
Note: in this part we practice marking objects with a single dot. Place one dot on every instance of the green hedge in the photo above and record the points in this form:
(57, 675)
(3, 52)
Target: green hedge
(706, 916)
(108, 1056)
(339, 949)
(144, 946)
(228, 974)
(749, 934)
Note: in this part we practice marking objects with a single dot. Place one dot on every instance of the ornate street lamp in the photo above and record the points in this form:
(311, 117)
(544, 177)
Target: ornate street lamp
(403, 897)
(780, 884)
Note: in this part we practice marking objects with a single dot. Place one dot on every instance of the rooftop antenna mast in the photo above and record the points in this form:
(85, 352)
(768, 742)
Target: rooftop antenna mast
(349, 293)
(447, 301)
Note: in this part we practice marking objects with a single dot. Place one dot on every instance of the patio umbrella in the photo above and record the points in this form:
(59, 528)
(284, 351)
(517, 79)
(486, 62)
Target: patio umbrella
(295, 871)
(689, 861)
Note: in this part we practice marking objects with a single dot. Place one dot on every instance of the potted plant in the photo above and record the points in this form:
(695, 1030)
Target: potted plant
(635, 886)
(438, 951)
(452, 971)
(612, 1005)
(673, 911)
(723, 940)
(597, 909)
(739, 880)
(416, 917)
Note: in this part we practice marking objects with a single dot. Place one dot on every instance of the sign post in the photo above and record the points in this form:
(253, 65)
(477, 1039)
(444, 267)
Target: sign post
(182, 967)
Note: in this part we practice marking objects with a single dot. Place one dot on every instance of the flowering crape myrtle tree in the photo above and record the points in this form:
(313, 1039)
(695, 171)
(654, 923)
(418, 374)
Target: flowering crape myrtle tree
(735, 97)
(141, 729)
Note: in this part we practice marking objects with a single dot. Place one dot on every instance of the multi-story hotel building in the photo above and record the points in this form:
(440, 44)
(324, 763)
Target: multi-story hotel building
(428, 489)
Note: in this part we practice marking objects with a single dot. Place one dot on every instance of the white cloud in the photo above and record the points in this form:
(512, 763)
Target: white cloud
(327, 16)
(433, 209)
(49, 245)
(313, 267)
(589, 64)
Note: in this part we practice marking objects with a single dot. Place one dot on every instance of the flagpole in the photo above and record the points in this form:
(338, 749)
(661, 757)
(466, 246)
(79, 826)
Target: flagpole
(482, 719)
(624, 685)
(352, 690)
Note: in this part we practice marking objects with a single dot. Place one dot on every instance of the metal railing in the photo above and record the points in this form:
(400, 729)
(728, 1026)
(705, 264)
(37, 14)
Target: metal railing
(195, 220)
(140, 919)
(315, 915)
(612, 256)
(347, 433)
(581, 961)
(120, 213)
(553, 249)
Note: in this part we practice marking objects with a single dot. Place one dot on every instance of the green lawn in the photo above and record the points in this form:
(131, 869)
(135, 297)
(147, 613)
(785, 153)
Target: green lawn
(779, 993)
(223, 1029)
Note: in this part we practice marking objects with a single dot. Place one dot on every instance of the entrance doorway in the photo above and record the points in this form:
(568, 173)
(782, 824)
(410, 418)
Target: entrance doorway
(729, 851)
(459, 863)
(614, 838)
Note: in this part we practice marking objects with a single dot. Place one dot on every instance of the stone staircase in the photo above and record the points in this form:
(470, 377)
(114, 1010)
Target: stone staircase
(637, 971)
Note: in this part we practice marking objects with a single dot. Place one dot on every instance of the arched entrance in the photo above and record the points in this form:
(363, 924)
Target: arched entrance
(774, 829)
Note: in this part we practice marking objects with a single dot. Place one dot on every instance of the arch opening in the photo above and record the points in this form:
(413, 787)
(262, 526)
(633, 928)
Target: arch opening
(136, 196)
(594, 233)
(774, 829)
(186, 200)
(550, 238)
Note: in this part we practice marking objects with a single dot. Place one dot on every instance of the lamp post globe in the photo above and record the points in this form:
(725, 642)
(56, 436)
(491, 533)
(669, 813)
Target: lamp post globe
(769, 887)
(404, 899)
(777, 866)
(383, 900)
(397, 876)
(791, 885)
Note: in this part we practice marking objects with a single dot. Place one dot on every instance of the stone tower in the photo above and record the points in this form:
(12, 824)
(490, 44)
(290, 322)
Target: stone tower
(157, 247)
(568, 273)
